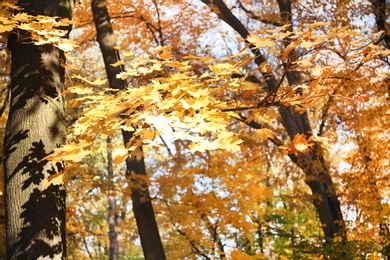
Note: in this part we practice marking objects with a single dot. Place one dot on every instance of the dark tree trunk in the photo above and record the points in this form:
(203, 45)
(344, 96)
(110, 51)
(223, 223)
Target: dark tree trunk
(35, 214)
(142, 205)
(379, 9)
(313, 163)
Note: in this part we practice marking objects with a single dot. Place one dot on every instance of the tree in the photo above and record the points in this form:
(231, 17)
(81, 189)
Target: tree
(35, 213)
(296, 123)
(142, 204)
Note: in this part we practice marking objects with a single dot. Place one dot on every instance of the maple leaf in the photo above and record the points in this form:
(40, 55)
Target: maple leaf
(264, 134)
(6, 28)
(301, 144)
(290, 48)
(119, 155)
(55, 179)
(78, 157)
(224, 69)
(260, 42)
(118, 63)
(95, 82)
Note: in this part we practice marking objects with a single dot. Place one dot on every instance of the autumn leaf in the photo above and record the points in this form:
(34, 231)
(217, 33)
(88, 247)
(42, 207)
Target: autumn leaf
(10, 5)
(78, 157)
(301, 144)
(290, 48)
(95, 82)
(118, 63)
(6, 28)
(55, 179)
(264, 134)
(260, 42)
(224, 69)
(265, 67)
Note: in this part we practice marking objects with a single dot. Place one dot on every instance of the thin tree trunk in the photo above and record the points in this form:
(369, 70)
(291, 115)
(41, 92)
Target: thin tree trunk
(111, 205)
(142, 205)
(312, 163)
(35, 214)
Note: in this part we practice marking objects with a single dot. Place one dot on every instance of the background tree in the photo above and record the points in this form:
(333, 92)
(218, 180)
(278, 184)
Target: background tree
(142, 205)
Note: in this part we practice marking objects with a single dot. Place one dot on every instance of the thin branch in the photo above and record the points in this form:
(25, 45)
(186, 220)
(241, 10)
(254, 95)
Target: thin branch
(256, 17)
(256, 125)
(159, 29)
(192, 243)
(86, 248)
(166, 145)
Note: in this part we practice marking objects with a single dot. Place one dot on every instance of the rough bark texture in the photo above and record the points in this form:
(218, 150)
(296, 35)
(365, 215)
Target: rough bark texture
(142, 205)
(312, 163)
(35, 215)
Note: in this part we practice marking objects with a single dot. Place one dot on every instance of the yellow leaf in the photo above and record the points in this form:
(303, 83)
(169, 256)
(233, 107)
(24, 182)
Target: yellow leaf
(119, 155)
(80, 90)
(22, 17)
(204, 59)
(319, 24)
(260, 42)
(282, 35)
(264, 134)
(224, 69)
(75, 157)
(301, 144)
(6, 28)
(8, 4)
(96, 82)
(118, 63)
(55, 179)
(164, 53)
(289, 48)
(65, 46)
(25, 26)
(265, 67)
(128, 53)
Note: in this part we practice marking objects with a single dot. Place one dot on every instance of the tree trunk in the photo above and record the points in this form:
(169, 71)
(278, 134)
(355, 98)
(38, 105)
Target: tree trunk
(111, 205)
(313, 163)
(142, 205)
(35, 214)
(379, 9)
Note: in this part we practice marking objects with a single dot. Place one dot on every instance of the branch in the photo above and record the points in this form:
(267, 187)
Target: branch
(192, 243)
(256, 125)
(159, 29)
(256, 17)
(225, 14)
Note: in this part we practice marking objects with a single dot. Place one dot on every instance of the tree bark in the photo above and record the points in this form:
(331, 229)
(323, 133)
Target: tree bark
(379, 10)
(111, 205)
(313, 163)
(136, 172)
(35, 214)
